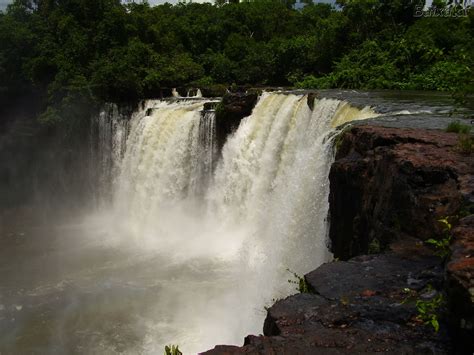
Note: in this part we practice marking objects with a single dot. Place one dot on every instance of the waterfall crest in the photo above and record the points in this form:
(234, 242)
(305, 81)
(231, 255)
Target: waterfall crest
(231, 226)
(274, 176)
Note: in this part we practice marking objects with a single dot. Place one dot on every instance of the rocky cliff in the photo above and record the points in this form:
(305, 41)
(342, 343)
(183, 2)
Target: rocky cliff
(389, 188)
(392, 183)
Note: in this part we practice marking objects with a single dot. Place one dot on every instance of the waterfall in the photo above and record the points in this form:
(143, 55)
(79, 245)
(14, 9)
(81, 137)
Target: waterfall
(112, 131)
(207, 152)
(161, 161)
(175, 93)
(274, 177)
(192, 93)
(225, 232)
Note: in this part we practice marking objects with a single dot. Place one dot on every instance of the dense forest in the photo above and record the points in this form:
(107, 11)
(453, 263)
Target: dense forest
(70, 54)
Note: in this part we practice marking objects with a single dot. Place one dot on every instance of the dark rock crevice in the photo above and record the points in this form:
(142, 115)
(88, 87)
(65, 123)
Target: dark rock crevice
(230, 111)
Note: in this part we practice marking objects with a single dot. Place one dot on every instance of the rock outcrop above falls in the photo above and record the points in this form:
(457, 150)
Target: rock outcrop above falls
(389, 188)
(230, 111)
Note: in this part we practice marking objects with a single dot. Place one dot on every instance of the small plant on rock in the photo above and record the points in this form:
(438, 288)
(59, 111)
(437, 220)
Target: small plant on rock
(465, 138)
(172, 350)
(300, 281)
(458, 127)
(374, 246)
(466, 143)
(442, 245)
(428, 311)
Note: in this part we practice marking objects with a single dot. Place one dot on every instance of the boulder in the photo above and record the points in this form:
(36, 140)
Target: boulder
(360, 306)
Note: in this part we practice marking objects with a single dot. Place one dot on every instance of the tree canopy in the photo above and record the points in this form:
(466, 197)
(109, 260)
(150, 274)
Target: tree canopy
(67, 51)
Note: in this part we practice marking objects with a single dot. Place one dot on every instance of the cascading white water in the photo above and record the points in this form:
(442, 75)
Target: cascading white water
(223, 241)
(274, 178)
(190, 93)
(175, 93)
(207, 152)
(112, 129)
(159, 166)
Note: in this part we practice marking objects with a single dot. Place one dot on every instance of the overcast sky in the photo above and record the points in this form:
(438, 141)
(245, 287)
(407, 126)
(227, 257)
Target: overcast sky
(3, 4)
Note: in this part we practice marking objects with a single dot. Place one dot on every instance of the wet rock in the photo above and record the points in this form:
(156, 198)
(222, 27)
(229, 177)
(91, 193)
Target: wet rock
(312, 96)
(388, 184)
(378, 273)
(230, 111)
(347, 317)
(216, 90)
(210, 105)
(460, 284)
(159, 93)
(290, 312)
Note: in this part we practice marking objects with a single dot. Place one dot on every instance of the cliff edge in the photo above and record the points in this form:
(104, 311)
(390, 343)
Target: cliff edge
(392, 291)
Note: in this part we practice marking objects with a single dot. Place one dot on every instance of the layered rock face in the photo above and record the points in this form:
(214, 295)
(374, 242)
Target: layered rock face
(389, 183)
(389, 188)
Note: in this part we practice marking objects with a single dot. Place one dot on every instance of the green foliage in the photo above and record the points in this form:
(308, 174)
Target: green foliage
(370, 67)
(172, 350)
(442, 245)
(374, 246)
(104, 50)
(465, 138)
(428, 311)
(466, 144)
(311, 82)
(458, 127)
(301, 285)
(442, 76)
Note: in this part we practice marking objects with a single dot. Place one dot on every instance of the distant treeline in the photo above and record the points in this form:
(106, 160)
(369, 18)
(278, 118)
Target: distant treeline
(71, 53)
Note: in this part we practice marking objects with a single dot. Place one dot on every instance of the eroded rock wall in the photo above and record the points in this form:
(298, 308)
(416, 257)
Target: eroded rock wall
(388, 184)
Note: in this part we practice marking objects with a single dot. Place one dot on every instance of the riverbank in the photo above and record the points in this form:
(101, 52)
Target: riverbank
(389, 189)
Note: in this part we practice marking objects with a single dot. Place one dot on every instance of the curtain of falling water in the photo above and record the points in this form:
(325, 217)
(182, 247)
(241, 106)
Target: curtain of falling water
(232, 226)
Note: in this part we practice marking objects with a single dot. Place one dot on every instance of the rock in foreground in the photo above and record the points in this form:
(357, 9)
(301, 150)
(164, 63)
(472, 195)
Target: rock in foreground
(359, 306)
